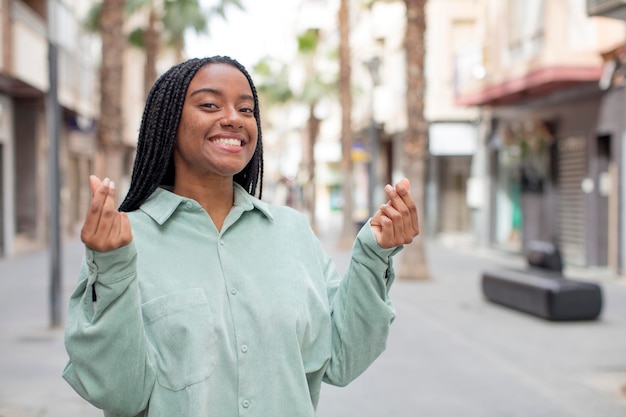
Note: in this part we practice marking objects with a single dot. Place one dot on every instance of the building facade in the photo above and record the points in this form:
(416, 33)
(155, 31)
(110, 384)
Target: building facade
(26, 30)
(552, 127)
(380, 118)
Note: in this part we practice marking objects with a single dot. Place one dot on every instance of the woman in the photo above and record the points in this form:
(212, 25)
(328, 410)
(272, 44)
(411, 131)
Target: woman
(198, 299)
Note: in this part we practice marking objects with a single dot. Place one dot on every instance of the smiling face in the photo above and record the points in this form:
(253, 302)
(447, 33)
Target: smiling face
(217, 134)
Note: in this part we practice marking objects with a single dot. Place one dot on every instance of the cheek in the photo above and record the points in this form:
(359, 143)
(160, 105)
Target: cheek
(253, 131)
(187, 125)
(188, 132)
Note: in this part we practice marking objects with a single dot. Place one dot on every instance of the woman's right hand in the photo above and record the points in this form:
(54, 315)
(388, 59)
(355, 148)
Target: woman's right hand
(105, 228)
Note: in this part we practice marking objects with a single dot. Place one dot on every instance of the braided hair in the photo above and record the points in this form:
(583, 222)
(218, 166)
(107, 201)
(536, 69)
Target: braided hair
(154, 160)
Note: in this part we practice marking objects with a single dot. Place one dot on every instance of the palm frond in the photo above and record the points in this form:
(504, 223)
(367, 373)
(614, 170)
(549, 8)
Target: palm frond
(136, 38)
(91, 23)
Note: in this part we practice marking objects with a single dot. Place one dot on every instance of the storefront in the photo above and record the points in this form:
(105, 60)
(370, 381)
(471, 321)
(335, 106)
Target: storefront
(554, 177)
(451, 146)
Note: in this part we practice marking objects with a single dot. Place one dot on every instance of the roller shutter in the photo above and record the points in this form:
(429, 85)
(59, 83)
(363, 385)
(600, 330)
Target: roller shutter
(572, 170)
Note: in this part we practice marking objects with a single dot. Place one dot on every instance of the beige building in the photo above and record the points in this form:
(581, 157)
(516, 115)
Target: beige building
(380, 117)
(551, 127)
(25, 29)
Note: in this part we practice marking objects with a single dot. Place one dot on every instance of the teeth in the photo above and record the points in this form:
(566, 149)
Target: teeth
(228, 142)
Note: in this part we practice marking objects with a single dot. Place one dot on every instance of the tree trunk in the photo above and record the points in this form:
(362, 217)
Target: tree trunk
(345, 97)
(109, 133)
(179, 49)
(151, 43)
(313, 127)
(413, 263)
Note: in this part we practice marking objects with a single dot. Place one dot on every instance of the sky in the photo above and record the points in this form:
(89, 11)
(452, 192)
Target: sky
(264, 28)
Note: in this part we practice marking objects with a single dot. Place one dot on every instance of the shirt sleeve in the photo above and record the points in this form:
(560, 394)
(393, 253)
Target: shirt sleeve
(109, 362)
(361, 310)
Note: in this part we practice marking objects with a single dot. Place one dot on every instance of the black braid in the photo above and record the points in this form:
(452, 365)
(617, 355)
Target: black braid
(154, 160)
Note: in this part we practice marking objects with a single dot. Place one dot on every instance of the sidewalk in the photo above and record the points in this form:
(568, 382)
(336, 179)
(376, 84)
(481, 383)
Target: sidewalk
(450, 353)
(32, 354)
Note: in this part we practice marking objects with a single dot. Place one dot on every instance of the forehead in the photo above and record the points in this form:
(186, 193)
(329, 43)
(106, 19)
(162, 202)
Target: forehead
(219, 76)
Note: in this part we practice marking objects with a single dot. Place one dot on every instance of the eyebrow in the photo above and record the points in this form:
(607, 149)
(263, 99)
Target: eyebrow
(218, 92)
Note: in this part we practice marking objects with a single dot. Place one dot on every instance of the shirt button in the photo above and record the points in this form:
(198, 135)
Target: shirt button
(188, 204)
(222, 242)
(244, 348)
(233, 291)
(245, 403)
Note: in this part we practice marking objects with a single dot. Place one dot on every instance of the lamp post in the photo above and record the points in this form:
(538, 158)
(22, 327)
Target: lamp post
(53, 118)
(372, 65)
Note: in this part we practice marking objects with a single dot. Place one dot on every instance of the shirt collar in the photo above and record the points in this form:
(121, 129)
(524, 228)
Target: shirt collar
(163, 203)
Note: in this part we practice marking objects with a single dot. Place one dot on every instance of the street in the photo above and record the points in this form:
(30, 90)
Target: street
(450, 352)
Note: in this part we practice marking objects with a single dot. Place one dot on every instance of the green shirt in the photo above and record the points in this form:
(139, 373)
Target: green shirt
(192, 322)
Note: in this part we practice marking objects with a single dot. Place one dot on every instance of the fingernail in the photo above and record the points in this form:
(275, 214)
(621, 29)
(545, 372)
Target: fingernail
(112, 185)
(106, 182)
(388, 187)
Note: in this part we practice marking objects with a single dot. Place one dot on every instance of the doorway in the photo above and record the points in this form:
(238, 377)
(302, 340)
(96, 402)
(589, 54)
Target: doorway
(605, 217)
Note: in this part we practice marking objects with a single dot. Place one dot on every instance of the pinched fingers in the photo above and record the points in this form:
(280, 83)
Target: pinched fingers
(396, 222)
(405, 215)
(391, 227)
(105, 228)
(100, 191)
(410, 216)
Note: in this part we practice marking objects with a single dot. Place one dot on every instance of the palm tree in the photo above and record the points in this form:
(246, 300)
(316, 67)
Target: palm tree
(274, 89)
(345, 99)
(413, 264)
(272, 82)
(175, 17)
(109, 131)
(314, 89)
(167, 23)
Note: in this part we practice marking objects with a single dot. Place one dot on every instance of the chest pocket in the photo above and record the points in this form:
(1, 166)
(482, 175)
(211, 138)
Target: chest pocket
(180, 327)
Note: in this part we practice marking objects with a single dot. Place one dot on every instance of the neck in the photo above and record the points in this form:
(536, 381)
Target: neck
(215, 196)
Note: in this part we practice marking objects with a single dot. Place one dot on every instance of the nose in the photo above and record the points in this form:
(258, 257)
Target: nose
(232, 119)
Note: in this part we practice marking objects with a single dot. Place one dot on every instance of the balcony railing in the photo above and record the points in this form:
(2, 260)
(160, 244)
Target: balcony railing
(76, 67)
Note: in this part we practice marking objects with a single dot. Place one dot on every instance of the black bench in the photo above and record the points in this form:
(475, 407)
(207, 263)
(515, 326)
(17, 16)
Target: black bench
(541, 289)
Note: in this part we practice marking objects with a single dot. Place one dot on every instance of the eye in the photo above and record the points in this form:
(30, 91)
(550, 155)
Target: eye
(247, 110)
(209, 105)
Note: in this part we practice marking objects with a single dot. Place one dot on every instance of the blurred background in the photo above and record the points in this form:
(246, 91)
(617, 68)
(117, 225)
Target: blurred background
(510, 114)
(508, 117)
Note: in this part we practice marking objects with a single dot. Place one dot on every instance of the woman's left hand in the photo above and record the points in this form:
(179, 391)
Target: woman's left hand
(396, 222)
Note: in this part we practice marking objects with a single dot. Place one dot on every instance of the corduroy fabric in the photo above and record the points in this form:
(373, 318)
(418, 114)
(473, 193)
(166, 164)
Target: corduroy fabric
(248, 321)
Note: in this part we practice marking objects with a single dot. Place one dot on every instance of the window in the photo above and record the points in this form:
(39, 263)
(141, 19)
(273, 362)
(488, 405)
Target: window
(526, 23)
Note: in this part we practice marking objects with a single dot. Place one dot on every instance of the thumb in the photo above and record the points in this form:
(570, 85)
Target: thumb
(94, 183)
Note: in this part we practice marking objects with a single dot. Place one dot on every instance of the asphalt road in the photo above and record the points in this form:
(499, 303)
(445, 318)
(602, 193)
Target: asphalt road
(451, 353)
